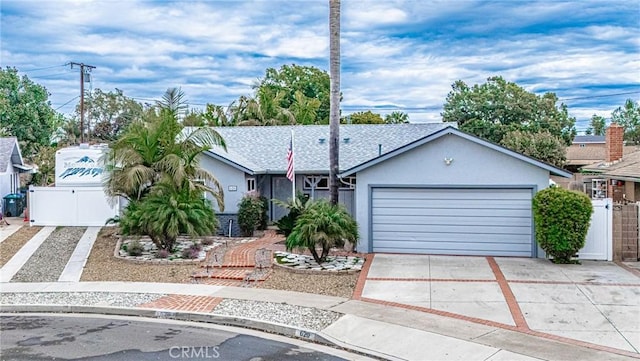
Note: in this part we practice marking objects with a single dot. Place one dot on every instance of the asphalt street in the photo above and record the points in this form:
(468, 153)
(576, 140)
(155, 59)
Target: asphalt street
(63, 337)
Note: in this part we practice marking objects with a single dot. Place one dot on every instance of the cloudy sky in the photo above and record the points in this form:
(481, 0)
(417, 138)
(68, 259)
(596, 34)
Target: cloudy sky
(396, 55)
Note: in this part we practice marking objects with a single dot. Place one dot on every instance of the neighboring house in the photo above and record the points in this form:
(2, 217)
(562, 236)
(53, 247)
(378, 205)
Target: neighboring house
(616, 176)
(585, 150)
(11, 165)
(413, 188)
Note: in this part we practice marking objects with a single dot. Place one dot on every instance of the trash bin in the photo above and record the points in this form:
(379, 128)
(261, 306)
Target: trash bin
(13, 205)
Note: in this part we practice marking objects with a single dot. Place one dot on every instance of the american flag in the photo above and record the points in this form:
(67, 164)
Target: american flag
(290, 173)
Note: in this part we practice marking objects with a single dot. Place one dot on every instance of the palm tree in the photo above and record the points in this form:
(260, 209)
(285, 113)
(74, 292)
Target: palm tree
(334, 108)
(325, 225)
(263, 109)
(159, 148)
(396, 118)
(166, 212)
(304, 109)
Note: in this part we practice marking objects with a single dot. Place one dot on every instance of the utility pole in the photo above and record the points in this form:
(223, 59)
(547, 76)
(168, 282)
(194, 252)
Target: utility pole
(84, 71)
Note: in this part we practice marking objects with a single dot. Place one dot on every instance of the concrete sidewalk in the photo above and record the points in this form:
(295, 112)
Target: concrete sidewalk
(388, 332)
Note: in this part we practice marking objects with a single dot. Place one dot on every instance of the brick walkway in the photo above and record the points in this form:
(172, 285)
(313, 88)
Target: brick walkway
(184, 303)
(238, 262)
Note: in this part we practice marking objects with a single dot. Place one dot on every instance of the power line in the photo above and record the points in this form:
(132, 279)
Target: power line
(602, 96)
(46, 67)
(76, 97)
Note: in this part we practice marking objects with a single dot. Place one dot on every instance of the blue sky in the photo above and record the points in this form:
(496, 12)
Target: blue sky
(396, 55)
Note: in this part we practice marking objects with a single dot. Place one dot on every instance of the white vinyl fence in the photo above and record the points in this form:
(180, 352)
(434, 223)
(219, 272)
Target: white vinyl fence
(599, 243)
(69, 206)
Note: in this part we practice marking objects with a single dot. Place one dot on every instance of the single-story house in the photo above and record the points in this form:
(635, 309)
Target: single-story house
(413, 188)
(585, 150)
(616, 176)
(11, 165)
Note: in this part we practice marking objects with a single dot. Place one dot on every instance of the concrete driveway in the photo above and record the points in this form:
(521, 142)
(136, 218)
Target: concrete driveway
(596, 302)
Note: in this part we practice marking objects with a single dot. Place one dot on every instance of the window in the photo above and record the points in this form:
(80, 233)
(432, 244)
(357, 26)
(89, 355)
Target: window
(316, 182)
(251, 184)
(348, 183)
(598, 188)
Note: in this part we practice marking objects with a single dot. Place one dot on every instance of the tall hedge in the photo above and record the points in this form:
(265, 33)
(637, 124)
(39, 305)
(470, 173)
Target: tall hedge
(562, 219)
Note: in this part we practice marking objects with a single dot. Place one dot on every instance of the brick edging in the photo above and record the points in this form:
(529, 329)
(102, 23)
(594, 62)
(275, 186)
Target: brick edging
(510, 298)
(632, 270)
(362, 279)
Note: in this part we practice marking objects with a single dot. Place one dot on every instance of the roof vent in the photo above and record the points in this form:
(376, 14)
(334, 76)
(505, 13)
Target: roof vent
(321, 140)
(346, 140)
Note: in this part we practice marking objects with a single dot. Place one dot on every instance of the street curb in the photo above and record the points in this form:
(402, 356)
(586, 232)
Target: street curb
(241, 322)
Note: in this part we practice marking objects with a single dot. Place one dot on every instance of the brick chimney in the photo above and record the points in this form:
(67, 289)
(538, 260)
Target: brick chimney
(614, 139)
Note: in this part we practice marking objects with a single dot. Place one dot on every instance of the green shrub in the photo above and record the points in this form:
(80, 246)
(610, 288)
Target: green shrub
(296, 207)
(562, 220)
(192, 251)
(250, 213)
(167, 212)
(323, 225)
(135, 248)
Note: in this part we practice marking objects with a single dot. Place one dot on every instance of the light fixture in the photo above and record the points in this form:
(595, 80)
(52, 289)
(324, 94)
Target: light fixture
(448, 161)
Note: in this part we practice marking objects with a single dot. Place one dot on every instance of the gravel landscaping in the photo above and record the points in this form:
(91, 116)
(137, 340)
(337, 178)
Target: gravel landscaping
(297, 316)
(103, 266)
(78, 298)
(48, 261)
(14, 242)
(330, 284)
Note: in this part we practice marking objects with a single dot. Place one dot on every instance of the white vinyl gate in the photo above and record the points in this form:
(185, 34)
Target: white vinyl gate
(69, 206)
(599, 242)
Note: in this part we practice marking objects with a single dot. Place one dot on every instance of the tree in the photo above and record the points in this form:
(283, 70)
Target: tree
(312, 82)
(322, 225)
(25, 111)
(629, 117)
(396, 118)
(168, 212)
(334, 111)
(304, 109)
(364, 118)
(157, 149)
(543, 146)
(110, 113)
(597, 126)
(493, 109)
(45, 159)
(155, 165)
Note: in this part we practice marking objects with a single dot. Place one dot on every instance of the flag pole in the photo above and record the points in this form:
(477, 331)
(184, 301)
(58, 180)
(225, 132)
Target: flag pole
(293, 181)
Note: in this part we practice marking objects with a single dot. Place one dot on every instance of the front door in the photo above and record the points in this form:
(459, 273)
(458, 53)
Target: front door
(281, 190)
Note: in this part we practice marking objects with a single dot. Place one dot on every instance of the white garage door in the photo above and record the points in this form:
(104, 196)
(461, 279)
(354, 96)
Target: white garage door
(492, 222)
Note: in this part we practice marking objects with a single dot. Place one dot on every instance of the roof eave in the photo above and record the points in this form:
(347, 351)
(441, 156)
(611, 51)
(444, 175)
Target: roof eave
(451, 130)
(230, 162)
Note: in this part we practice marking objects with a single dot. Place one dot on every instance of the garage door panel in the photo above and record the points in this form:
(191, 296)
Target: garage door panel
(494, 213)
(457, 203)
(452, 221)
(468, 246)
(464, 229)
(383, 236)
(448, 194)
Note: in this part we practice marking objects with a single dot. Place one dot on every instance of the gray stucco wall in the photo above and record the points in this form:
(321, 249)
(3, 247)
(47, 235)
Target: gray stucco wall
(227, 176)
(223, 229)
(472, 165)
